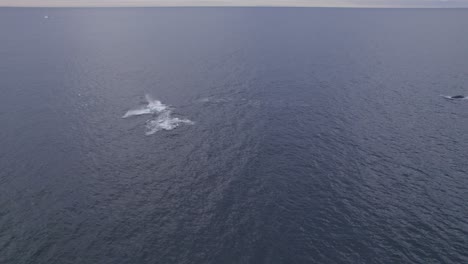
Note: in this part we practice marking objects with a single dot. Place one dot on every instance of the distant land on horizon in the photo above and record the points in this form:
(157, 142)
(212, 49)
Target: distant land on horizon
(240, 3)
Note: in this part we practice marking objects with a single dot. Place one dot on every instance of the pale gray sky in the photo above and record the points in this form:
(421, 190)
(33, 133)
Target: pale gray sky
(317, 3)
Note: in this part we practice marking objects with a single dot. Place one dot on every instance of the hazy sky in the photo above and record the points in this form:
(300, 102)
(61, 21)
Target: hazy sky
(320, 3)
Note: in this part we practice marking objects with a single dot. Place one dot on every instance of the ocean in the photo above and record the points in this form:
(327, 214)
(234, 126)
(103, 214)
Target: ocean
(233, 135)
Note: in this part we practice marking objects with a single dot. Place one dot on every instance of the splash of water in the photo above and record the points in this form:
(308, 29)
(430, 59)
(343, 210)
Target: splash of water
(163, 113)
(152, 107)
(164, 122)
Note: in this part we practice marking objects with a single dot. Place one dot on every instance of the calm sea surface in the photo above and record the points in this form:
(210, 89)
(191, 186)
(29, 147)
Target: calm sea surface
(233, 135)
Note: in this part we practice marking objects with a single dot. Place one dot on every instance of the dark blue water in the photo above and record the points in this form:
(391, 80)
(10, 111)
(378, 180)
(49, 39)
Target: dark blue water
(272, 136)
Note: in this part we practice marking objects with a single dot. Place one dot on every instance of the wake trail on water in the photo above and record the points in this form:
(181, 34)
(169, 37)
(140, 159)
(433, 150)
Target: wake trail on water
(164, 119)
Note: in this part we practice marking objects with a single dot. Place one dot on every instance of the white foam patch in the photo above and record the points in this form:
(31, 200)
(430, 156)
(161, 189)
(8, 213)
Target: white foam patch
(155, 105)
(163, 113)
(164, 122)
(214, 100)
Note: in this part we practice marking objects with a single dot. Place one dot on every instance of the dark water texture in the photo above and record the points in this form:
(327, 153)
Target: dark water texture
(319, 136)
